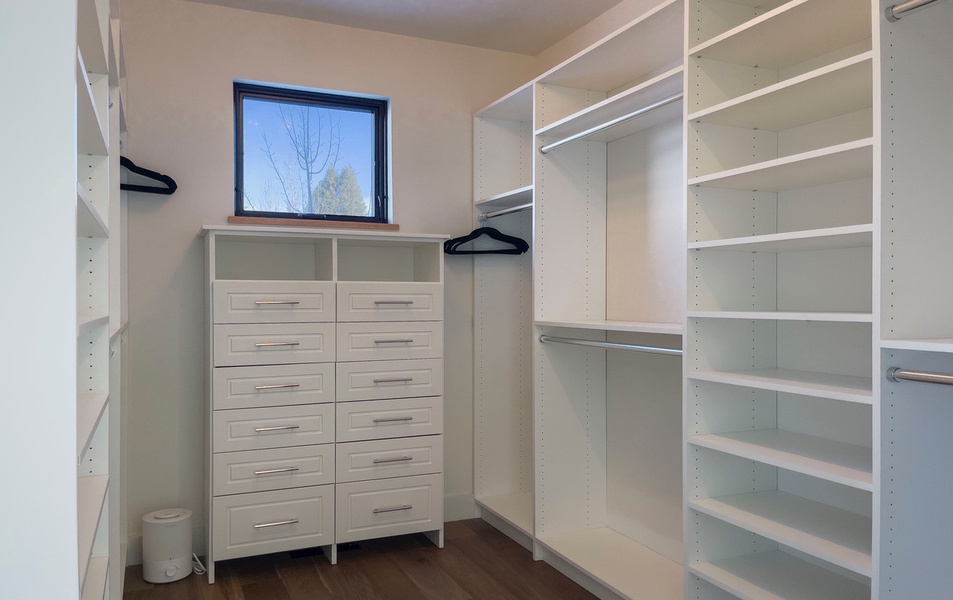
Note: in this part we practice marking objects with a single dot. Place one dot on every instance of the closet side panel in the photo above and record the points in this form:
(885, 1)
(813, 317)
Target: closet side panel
(503, 386)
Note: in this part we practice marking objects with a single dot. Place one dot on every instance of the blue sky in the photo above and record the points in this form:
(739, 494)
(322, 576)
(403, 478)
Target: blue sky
(357, 146)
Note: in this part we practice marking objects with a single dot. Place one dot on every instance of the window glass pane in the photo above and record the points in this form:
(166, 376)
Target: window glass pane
(307, 159)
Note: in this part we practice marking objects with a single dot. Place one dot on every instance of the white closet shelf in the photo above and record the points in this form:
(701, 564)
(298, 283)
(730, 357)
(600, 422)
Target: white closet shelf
(608, 325)
(89, 410)
(827, 317)
(515, 106)
(619, 563)
(835, 89)
(845, 388)
(654, 90)
(778, 575)
(514, 509)
(790, 34)
(925, 345)
(620, 58)
(832, 534)
(847, 464)
(522, 195)
(94, 587)
(267, 234)
(89, 223)
(843, 162)
(89, 323)
(850, 236)
(92, 29)
(90, 497)
(91, 131)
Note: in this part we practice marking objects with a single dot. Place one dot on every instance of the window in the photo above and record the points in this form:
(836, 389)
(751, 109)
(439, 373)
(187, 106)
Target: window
(309, 155)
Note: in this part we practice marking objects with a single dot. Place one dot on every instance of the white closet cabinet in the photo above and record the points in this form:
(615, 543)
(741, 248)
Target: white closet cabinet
(325, 389)
(813, 138)
(582, 462)
(100, 299)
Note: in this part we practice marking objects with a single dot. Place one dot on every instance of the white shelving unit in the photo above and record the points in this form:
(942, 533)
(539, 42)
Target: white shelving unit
(100, 301)
(581, 462)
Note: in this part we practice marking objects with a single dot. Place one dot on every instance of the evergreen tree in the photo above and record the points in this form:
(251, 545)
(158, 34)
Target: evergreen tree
(325, 195)
(349, 197)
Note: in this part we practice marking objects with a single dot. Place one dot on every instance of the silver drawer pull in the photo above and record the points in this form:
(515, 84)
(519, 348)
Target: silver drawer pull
(275, 302)
(277, 524)
(280, 386)
(379, 461)
(377, 511)
(277, 428)
(410, 341)
(395, 380)
(393, 419)
(276, 471)
(387, 302)
(276, 344)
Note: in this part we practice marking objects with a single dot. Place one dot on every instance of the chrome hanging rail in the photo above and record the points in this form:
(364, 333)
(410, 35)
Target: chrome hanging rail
(896, 374)
(893, 13)
(632, 115)
(549, 339)
(504, 211)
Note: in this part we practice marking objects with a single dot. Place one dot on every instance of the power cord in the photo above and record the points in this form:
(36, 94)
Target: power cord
(197, 567)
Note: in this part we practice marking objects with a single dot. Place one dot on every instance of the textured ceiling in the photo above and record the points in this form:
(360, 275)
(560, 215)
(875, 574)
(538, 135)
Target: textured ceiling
(523, 26)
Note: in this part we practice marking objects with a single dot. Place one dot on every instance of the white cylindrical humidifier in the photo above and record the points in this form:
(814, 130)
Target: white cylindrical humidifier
(166, 545)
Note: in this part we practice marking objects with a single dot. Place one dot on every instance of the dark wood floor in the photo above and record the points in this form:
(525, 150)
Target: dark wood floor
(478, 562)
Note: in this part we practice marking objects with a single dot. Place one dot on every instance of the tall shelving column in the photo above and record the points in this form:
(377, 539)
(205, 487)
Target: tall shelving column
(781, 449)
(503, 332)
(608, 258)
(916, 329)
(99, 297)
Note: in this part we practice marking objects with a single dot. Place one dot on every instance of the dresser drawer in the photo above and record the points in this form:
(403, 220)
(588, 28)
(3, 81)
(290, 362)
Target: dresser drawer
(275, 385)
(248, 524)
(363, 301)
(380, 419)
(272, 344)
(378, 459)
(389, 341)
(279, 427)
(272, 301)
(276, 469)
(378, 379)
(370, 509)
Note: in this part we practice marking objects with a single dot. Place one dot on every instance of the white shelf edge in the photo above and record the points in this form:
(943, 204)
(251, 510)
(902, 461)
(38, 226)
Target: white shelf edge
(747, 25)
(90, 498)
(657, 88)
(90, 36)
(843, 388)
(514, 509)
(827, 317)
(89, 411)
(521, 195)
(618, 563)
(89, 223)
(810, 455)
(91, 131)
(624, 326)
(514, 106)
(780, 87)
(298, 232)
(944, 345)
(848, 236)
(94, 587)
(816, 529)
(89, 323)
(776, 574)
(785, 161)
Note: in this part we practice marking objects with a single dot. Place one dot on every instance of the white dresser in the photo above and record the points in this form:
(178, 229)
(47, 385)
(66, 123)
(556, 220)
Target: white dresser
(325, 387)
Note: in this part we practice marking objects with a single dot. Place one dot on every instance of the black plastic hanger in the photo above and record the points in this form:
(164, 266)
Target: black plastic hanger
(519, 246)
(168, 190)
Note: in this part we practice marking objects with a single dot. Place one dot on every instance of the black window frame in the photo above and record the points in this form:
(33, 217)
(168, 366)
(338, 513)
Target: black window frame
(379, 107)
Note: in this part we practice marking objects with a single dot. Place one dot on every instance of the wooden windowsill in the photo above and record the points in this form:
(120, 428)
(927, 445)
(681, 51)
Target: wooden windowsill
(313, 223)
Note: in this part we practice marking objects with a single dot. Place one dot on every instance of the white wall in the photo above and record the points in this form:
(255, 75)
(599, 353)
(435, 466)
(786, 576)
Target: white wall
(181, 59)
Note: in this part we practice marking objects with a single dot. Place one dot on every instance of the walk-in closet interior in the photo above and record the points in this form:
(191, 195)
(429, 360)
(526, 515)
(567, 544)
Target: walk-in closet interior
(720, 371)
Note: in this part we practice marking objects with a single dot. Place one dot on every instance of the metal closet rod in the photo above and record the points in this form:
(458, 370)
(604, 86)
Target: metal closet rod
(896, 11)
(896, 374)
(504, 211)
(632, 115)
(549, 339)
